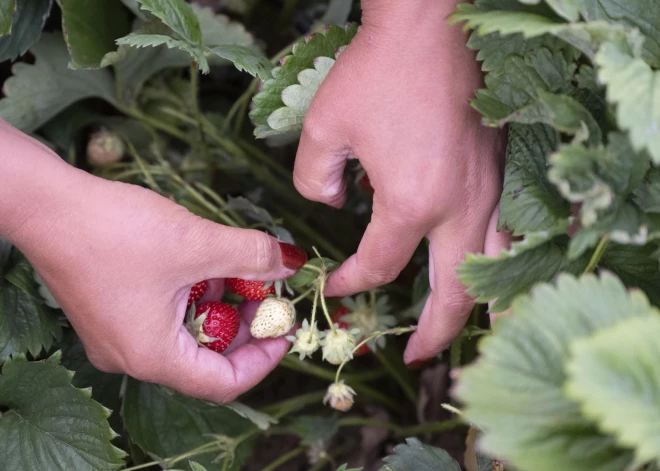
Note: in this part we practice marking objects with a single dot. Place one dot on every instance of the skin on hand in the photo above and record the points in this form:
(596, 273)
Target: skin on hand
(397, 100)
(121, 260)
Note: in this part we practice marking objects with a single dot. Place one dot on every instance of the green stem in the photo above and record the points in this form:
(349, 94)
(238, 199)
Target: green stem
(284, 459)
(222, 203)
(194, 74)
(374, 336)
(280, 409)
(315, 305)
(171, 130)
(598, 254)
(303, 296)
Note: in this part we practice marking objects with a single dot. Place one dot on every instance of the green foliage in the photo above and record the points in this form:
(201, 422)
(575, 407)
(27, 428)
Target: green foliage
(313, 429)
(603, 379)
(91, 28)
(184, 423)
(28, 22)
(7, 9)
(420, 457)
(269, 105)
(63, 426)
(27, 325)
(38, 92)
(516, 391)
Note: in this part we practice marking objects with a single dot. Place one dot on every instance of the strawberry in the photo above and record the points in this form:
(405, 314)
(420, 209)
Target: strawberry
(274, 318)
(197, 291)
(340, 312)
(250, 290)
(215, 325)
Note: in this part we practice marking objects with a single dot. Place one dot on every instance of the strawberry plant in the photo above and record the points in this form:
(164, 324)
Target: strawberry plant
(157, 93)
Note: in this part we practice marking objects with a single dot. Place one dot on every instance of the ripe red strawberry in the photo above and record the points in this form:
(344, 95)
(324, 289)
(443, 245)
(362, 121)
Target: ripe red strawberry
(250, 290)
(340, 312)
(197, 291)
(215, 325)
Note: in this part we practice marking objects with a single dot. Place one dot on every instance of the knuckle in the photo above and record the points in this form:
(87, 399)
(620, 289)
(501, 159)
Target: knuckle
(265, 251)
(102, 364)
(379, 275)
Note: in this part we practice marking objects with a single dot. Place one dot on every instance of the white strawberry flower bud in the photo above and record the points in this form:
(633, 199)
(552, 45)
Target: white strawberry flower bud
(339, 396)
(338, 345)
(306, 341)
(274, 318)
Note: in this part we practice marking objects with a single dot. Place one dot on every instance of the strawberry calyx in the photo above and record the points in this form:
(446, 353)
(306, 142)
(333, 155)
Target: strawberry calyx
(195, 325)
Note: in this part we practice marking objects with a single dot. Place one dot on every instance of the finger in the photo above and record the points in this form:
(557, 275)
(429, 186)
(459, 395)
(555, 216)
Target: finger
(386, 248)
(223, 252)
(202, 373)
(448, 306)
(318, 173)
(494, 244)
(247, 309)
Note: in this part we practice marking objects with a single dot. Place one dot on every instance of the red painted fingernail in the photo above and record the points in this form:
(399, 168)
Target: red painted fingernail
(418, 364)
(293, 257)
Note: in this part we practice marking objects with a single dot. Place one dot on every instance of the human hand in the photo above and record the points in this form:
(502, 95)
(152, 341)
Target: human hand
(120, 260)
(397, 100)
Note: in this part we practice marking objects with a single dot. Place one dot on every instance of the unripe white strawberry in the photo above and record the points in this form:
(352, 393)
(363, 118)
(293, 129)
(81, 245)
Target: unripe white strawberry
(338, 345)
(339, 396)
(274, 318)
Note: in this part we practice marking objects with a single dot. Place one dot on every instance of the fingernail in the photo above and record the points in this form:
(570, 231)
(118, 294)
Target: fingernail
(418, 364)
(293, 257)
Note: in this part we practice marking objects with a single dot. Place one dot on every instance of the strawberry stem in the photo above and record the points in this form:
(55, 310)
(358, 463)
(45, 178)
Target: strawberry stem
(314, 308)
(374, 336)
(324, 306)
(302, 296)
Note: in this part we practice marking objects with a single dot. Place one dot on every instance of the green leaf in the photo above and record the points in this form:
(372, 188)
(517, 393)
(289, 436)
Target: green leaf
(138, 65)
(194, 466)
(415, 455)
(636, 267)
(623, 222)
(338, 12)
(64, 427)
(344, 467)
(641, 14)
(518, 82)
(568, 9)
(183, 423)
(304, 52)
(647, 195)
(29, 20)
(91, 28)
(634, 88)
(313, 429)
(307, 274)
(586, 37)
(529, 202)
(596, 176)
(26, 324)
(298, 97)
(535, 259)
(515, 391)
(7, 9)
(615, 375)
(105, 387)
(260, 419)
(562, 112)
(177, 15)
(154, 34)
(38, 92)
(245, 58)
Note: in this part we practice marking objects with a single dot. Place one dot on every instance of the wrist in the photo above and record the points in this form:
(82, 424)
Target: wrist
(407, 16)
(32, 181)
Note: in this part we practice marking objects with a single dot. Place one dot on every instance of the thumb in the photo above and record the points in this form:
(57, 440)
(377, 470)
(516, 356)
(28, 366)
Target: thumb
(322, 153)
(229, 252)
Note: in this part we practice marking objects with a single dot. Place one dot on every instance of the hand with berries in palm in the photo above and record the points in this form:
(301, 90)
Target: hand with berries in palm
(397, 100)
(121, 260)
